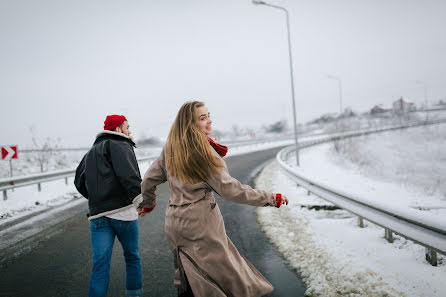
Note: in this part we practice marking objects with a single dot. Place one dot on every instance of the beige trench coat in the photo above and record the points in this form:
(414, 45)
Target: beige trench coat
(197, 237)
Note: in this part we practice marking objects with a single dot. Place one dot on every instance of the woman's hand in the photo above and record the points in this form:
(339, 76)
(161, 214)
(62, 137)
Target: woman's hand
(281, 199)
(284, 200)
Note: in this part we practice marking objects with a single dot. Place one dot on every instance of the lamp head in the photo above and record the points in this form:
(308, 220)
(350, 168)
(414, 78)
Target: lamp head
(258, 2)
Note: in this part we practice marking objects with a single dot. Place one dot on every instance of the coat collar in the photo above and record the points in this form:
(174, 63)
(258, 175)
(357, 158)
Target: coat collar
(106, 133)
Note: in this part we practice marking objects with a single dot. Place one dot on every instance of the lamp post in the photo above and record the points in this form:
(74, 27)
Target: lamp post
(258, 2)
(425, 97)
(340, 91)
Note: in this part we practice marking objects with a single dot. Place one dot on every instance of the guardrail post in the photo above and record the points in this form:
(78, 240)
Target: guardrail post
(39, 187)
(5, 195)
(66, 180)
(361, 222)
(431, 257)
(388, 235)
(308, 193)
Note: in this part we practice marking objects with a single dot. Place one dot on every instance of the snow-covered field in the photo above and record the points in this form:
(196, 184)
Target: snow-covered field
(414, 158)
(334, 255)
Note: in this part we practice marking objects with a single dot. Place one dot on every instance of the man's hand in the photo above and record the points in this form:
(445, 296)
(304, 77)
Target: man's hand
(142, 211)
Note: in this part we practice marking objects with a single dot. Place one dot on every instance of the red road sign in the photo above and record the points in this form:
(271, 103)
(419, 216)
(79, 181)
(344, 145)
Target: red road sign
(9, 152)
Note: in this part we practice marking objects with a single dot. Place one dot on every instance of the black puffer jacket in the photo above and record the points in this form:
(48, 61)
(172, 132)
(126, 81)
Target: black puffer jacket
(108, 175)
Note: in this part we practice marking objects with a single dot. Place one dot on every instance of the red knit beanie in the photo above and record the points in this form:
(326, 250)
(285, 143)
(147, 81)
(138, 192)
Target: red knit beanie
(113, 121)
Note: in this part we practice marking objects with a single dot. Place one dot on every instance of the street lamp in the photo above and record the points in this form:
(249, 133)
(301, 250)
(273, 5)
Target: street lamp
(425, 97)
(258, 2)
(340, 91)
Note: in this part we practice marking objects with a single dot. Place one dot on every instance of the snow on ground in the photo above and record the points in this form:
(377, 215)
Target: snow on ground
(414, 158)
(334, 255)
(26, 200)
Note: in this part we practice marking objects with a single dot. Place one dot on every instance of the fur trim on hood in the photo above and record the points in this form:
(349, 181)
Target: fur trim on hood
(115, 133)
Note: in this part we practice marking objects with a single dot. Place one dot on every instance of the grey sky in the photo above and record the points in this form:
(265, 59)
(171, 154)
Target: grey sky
(64, 65)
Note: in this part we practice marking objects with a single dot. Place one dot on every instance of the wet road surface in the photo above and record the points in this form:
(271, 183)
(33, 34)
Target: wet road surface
(57, 261)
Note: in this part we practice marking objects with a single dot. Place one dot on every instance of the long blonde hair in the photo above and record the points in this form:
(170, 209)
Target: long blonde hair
(189, 156)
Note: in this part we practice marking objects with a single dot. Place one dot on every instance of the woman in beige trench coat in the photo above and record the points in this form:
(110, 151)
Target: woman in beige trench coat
(206, 261)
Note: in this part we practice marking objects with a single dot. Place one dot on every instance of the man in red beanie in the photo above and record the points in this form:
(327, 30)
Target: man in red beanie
(109, 177)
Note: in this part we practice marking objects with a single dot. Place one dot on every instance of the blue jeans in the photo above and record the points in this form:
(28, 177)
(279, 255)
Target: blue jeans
(103, 231)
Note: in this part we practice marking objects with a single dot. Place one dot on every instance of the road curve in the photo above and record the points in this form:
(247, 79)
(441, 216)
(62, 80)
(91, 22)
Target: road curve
(57, 261)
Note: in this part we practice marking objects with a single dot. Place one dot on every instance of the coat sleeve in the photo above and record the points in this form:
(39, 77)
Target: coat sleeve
(79, 179)
(126, 168)
(231, 189)
(155, 175)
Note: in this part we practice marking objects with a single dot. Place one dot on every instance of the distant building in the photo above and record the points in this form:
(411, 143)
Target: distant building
(402, 106)
(379, 110)
(325, 118)
(441, 105)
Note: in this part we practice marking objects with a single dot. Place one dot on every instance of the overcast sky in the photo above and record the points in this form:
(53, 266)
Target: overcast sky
(65, 65)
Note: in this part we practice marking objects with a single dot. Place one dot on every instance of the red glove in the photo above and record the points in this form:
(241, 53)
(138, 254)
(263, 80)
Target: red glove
(143, 211)
(278, 200)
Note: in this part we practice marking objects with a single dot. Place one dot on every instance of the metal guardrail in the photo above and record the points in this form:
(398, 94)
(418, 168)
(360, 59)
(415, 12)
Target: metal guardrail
(21, 181)
(421, 230)
(38, 179)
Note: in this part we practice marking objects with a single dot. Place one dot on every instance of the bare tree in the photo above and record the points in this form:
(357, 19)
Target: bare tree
(43, 150)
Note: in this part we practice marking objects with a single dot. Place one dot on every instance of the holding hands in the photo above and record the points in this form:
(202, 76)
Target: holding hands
(142, 211)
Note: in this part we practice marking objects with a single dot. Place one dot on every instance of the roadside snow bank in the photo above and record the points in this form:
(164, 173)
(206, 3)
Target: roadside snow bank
(337, 258)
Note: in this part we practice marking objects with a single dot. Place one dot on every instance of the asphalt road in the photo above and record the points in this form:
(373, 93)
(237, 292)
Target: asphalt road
(57, 261)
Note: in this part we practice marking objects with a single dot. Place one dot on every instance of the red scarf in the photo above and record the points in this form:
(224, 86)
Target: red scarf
(220, 149)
